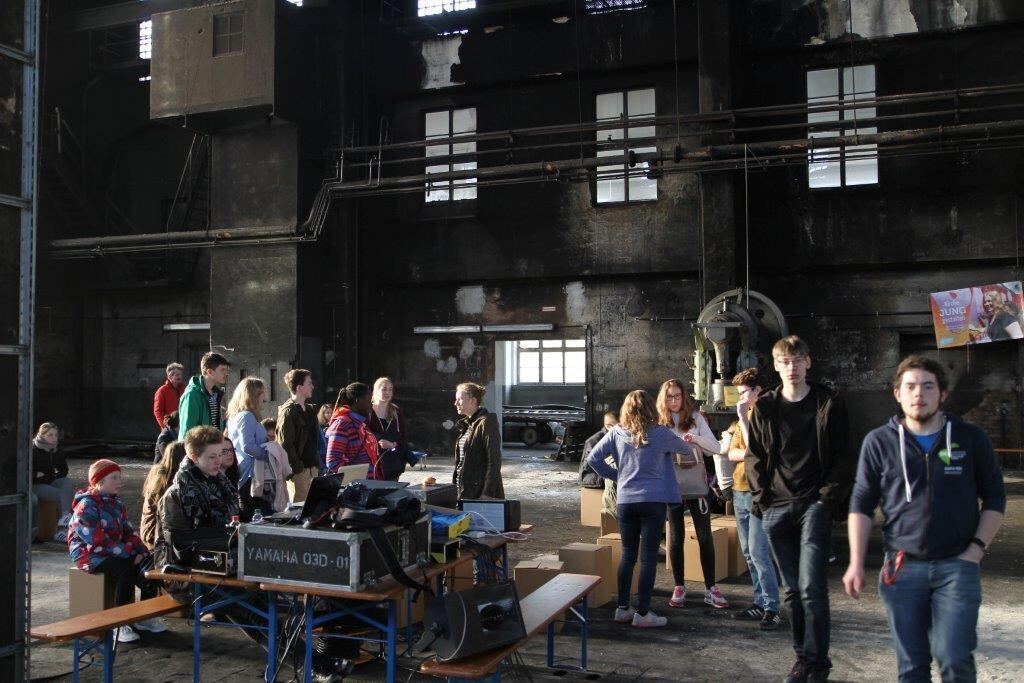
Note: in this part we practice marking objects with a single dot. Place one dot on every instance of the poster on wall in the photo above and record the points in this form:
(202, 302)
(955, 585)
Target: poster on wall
(978, 315)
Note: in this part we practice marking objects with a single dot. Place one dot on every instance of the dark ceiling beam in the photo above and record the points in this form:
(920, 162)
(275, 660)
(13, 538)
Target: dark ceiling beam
(115, 15)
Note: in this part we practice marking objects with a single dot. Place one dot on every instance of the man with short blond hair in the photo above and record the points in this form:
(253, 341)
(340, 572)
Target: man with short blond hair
(799, 466)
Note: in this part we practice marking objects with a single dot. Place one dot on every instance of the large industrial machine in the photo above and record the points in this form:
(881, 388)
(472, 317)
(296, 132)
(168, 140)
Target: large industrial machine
(734, 331)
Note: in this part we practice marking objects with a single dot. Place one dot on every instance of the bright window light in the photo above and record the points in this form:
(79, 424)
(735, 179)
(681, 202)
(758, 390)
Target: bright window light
(551, 361)
(835, 166)
(146, 39)
(425, 8)
(622, 183)
(603, 6)
(449, 124)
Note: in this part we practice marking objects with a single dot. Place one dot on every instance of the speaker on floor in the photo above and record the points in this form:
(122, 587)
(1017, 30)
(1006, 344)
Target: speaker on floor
(461, 624)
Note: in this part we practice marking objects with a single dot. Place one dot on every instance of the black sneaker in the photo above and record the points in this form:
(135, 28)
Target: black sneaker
(770, 621)
(752, 613)
(797, 673)
(817, 673)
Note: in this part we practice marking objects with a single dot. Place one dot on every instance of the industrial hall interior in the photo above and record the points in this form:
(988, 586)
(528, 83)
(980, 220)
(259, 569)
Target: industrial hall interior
(549, 340)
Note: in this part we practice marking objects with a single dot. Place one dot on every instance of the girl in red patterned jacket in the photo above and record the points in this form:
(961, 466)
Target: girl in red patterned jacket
(103, 541)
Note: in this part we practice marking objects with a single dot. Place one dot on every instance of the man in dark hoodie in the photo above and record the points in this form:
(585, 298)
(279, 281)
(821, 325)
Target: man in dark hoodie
(928, 470)
(799, 464)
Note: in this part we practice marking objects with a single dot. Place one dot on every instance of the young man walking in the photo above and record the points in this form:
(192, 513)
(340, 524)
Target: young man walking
(799, 466)
(753, 541)
(927, 469)
(299, 432)
(201, 404)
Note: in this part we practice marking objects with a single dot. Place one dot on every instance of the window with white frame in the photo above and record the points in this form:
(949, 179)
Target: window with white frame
(450, 125)
(620, 182)
(837, 166)
(426, 8)
(551, 361)
(146, 39)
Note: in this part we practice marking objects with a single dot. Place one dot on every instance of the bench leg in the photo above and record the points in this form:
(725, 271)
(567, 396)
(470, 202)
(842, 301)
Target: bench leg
(551, 645)
(108, 656)
(584, 625)
(76, 653)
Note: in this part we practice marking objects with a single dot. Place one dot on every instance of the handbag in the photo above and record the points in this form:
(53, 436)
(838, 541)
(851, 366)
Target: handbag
(691, 476)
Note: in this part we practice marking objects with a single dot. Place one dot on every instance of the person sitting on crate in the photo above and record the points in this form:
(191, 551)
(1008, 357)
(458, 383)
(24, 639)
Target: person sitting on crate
(102, 540)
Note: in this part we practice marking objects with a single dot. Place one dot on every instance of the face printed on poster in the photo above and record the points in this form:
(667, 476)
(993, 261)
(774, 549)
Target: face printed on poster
(978, 315)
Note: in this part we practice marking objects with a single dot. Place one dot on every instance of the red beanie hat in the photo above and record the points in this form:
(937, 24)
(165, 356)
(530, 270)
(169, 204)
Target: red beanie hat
(101, 468)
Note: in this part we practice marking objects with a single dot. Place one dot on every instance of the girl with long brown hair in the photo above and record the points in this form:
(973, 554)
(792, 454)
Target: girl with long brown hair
(159, 479)
(642, 451)
(676, 411)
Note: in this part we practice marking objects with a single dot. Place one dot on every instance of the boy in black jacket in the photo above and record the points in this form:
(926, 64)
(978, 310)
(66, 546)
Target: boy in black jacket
(927, 469)
(799, 464)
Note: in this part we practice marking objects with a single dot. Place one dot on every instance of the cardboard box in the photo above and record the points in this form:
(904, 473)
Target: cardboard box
(609, 525)
(737, 563)
(47, 514)
(530, 575)
(590, 506)
(692, 570)
(88, 593)
(592, 559)
(614, 541)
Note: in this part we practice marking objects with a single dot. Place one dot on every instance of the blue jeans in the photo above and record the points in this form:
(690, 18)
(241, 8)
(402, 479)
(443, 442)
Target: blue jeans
(754, 545)
(933, 612)
(800, 535)
(639, 521)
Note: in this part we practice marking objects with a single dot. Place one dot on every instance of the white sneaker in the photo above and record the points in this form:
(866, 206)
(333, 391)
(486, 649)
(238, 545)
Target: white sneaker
(713, 596)
(624, 616)
(649, 620)
(126, 634)
(154, 625)
(678, 598)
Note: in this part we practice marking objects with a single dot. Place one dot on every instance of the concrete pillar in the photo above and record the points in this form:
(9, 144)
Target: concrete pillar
(723, 218)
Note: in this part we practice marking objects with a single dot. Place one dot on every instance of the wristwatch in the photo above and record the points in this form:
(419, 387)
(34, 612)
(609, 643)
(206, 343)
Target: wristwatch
(980, 543)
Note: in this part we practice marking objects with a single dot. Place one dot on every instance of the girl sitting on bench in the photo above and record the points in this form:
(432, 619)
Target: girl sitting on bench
(102, 540)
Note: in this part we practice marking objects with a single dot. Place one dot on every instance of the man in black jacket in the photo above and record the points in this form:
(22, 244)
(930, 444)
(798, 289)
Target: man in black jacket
(799, 465)
(927, 470)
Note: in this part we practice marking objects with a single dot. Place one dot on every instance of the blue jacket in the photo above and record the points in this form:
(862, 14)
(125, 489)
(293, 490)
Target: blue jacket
(929, 500)
(248, 437)
(645, 474)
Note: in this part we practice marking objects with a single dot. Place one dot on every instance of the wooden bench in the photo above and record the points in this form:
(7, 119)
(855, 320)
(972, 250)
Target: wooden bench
(100, 626)
(540, 610)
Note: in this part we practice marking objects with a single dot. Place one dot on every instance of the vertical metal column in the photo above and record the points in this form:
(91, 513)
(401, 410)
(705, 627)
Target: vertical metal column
(14, 660)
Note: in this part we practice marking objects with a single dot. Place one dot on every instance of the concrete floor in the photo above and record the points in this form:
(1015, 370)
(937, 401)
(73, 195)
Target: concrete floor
(698, 644)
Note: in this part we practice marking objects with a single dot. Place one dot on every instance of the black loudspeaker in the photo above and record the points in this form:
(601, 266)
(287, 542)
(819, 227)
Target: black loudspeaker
(471, 621)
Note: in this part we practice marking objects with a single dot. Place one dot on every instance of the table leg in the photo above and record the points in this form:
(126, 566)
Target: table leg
(108, 656)
(308, 661)
(197, 629)
(392, 637)
(504, 561)
(76, 652)
(271, 636)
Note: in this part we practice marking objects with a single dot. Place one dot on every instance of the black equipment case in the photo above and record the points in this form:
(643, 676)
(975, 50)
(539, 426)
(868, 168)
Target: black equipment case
(323, 557)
